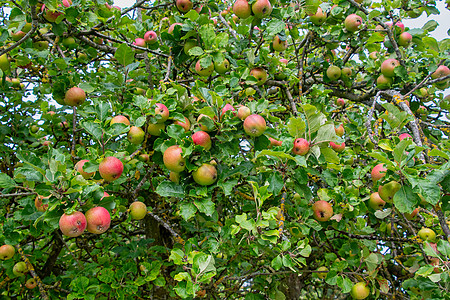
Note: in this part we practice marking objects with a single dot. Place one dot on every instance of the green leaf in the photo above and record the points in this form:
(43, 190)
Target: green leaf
(86, 87)
(296, 127)
(326, 133)
(6, 182)
(330, 155)
(93, 129)
(102, 110)
(275, 26)
(196, 51)
(443, 247)
(276, 183)
(205, 206)
(430, 25)
(399, 151)
(207, 34)
(124, 55)
(314, 118)
(437, 152)
(176, 255)
(385, 144)
(405, 200)
(170, 189)
(277, 263)
(278, 154)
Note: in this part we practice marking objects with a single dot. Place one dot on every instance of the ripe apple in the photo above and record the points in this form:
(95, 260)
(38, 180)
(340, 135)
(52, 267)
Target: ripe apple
(172, 27)
(162, 111)
(7, 252)
(226, 108)
(410, 216)
(319, 17)
(20, 268)
(4, 63)
(98, 220)
(173, 160)
(140, 42)
(323, 272)
(206, 174)
(274, 142)
(259, 73)
(388, 66)
(378, 172)
(388, 190)
(360, 291)
(120, 119)
(155, 129)
(72, 225)
(339, 130)
(404, 136)
(278, 44)
(150, 37)
(384, 82)
(186, 124)
(17, 35)
(427, 234)
(136, 135)
(184, 5)
(404, 39)
(261, 8)
(336, 147)
(333, 72)
(242, 9)
(138, 210)
(50, 15)
(202, 126)
(254, 125)
(31, 283)
(323, 210)
(204, 72)
(79, 168)
(376, 202)
(340, 102)
(202, 138)
(110, 168)
(441, 71)
(400, 26)
(223, 67)
(352, 22)
(74, 96)
(243, 112)
(301, 146)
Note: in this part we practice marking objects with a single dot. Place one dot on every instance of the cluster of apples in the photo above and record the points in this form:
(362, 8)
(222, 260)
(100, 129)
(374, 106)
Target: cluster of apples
(97, 220)
(20, 268)
(150, 38)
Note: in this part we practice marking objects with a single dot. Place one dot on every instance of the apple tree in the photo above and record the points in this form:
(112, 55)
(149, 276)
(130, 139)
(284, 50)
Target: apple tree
(224, 150)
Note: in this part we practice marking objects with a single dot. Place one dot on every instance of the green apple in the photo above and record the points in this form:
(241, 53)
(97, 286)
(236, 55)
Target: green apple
(427, 234)
(388, 190)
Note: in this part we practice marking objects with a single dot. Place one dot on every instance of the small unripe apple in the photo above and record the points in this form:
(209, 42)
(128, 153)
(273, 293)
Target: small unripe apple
(319, 17)
(136, 135)
(388, 66)
(138, 210)
(110, 168)
(202, 126)
(260, 74)
(162, 111)
(254, 125)
(388, 190)
(384, 82)
(352, 22)
(72, 225)
(323, 272)
(174, 177)
(120, 119)
(7, 252)
(243, 112)
(333, 72)
(155, 129)
(202, 138)
(20, 268)
(173, 160)
(339, 130)
(188, 45)
(323, 210)
(242, 9)
(378, 172)
(427, 234)
(204, 72)
(223, 67)
(360, 291)
(98, 220)
(410, 216)
(278, 44)
(301, 146)
(79, 167)
(184, 5)
(346, 72)
(74, 96)
(206, 174)
(441, 71)
(340, 102)
(261, 8)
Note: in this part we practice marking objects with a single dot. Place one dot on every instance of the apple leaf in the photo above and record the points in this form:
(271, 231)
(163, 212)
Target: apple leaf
(124, 55)
(207, 34)
(381, 214)
(443, 247)
(187, 210)
(314, 119)
(170, 189)
(405, 200)
(385, 144)
(429, 250)
(6, 182)
(276, 183)
(430, 25)
(277, 262)
(221, 40)
(176, 255)
(93, 129)
(192, 15)
(326, 133)
(345, 284)
(275, 26)
(296, 127)
(102, 110)
(381, 157)
(205, 206)
(196, 51)
(399, 151)
(437, 152)
(279, 154)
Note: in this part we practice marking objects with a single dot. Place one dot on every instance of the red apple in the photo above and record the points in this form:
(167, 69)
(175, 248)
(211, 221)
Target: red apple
(31, 283)
(378, 172)
(39, 204)
(186, 124)
(376, 202)
(254, 125)
(242, 9)
(184, 5)
(204, 72)
(274, 142)
(120, 119)
(388, 66)
(150, 37)
(301, 146)
(404, 136)
(172, 27)
(72, 225)
(173, 160)
(162, 111)
(74, 96)
(98, 220)
(110, 168)
(352, 22)
(79, 167)
(202, 138)
(336, 147)
(323, 210)
(405, 39)
(226, 108)
(262, 8)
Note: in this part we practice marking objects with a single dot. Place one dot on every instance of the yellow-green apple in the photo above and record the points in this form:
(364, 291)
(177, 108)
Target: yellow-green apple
(150, 37)
(404, 136)
(136, 135)
(388, 190)
(120, 119)
(72, 225)
(79, 168)
(352, 22)
(384, 82)
(278, 44)
(7, 252)
(69, 42)
(223, 67)
(204, 72)
(322, 272)
(31, 283)
(243, 112)
(189, 45)
(40, 45)
(143, 157)
(378, 172)
(17, 35)
(206, 174)
(301, 146)
(184, 5)
(202, 126)
(226, 108)
(186, 124)
(333, 72)
(376, 202)
(4, 63)
(138, 210)
(34, 128)
(261, 8)
(388, 66)
(360, 291)
(260, 74)
(110, 168)
(20, 269)
(373, 55)
(202, 138)
(323, 210)
(339, 130)
(155, 129)
(405, 39)
(174, 177)
(98, 220)
(242, 9)
(337, 147)
(410, 216)
(254, 125)
(162, 111)
(441, 71)
(319, 17)
(346, 72)
(173, 160)
(74, 96)
(427, 234)
(172, 27)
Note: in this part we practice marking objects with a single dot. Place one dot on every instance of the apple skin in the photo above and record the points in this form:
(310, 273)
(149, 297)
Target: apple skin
(206, 174)
(242, 9)
(163, 111)
(261, 8)
(73, 225)
(98, 220)
(173, 160)
(301, 146)
(120, 119)
(110, 168)
(360, 291)
(136, 135)
(150, 37)
(339, 130)
(411, 215)
(404, 136)
(274, 142)
(172, 27)
(319, 17)
(31, 283)
(17, 35)
(184, 5)
(323, 210)
(376, 202)
(174, 177)
(404, 39)
(243, 112)
(322, 269)
(202, 138)
(138, 210)
(278, 44)
(388, 66)
(388, 190)
(155, 129)
(441, 71)
(340, 102)
(427, 234)
(49, 15)
(223, 67)
(20, 268)
(333, 73)
(204, 72)
(346, 72)
(186, 124)
(4, 63)
(254, 125)
(384, 82)
(79, 167)
(140, 42)
(40, 206)
(189, 45)
(337, 147)
(7, 252)
(378, 172)
(260, 74)
(352, 22)
(226, 108)
(74, 96)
